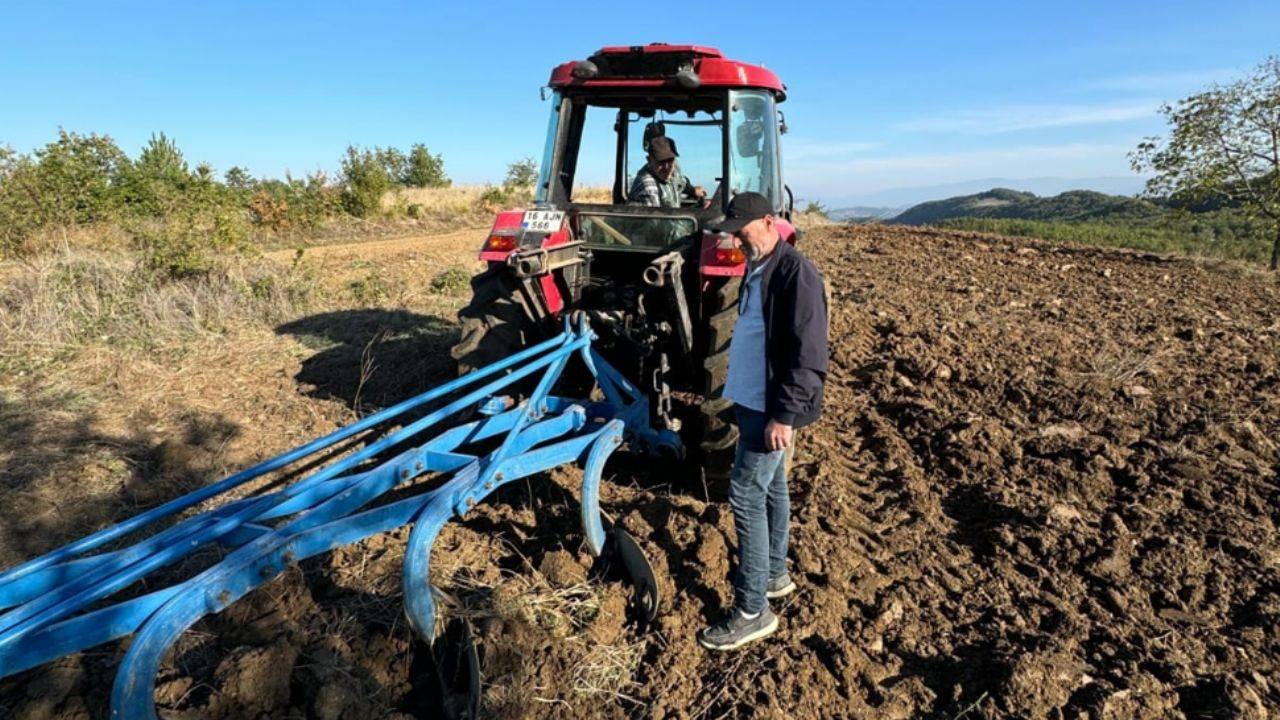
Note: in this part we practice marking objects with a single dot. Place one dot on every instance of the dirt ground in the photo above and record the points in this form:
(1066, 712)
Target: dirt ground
(1046, 485)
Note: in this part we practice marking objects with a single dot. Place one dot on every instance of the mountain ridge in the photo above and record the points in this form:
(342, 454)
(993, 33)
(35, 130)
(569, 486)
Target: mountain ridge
(999, 202)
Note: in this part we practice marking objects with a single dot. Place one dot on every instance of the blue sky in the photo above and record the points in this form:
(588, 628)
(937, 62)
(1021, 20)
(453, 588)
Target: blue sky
(882, 95)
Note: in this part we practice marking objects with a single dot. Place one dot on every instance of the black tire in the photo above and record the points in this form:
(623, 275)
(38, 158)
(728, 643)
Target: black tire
(494, 324)
(719, 431)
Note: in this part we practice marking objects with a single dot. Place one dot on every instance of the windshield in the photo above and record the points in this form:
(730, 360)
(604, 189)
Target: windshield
(656, 157)
(696, 138)
(753, 142)
(599, 149)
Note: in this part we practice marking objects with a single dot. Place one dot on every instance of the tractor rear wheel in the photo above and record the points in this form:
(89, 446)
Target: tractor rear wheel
(494, 324)
(719, 438)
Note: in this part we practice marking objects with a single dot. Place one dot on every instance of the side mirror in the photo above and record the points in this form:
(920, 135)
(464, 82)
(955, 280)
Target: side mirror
(782, 123)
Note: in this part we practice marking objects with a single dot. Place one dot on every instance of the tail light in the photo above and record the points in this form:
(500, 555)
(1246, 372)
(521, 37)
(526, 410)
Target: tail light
(500, 242)
(730, 256)
(727, 253)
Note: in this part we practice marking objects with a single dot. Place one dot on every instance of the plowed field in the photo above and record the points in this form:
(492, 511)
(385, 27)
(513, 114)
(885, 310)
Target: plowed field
(1046, 485)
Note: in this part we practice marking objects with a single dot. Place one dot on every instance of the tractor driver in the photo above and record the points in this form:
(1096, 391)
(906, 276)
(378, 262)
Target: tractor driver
(660, 183)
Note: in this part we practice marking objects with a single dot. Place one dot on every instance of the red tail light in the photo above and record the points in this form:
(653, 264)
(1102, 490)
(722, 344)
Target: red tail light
(727, 252)
(500, 243)
(730, 256)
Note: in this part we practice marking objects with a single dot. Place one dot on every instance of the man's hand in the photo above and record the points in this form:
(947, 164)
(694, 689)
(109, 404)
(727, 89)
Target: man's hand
(699, 193)
(777, 436)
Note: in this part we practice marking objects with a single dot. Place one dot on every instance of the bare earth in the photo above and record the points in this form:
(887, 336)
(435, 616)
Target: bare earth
(1046, 486)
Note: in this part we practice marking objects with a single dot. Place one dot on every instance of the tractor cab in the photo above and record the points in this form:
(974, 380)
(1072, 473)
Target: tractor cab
(719, 116)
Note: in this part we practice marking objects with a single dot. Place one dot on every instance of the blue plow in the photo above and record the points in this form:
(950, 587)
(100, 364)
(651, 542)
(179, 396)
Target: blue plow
(54, 605)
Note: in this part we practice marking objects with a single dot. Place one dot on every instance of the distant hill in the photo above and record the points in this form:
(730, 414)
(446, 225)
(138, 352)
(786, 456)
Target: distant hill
(1070, 206)
(905, 197)
(1210, 229)
(863, 213)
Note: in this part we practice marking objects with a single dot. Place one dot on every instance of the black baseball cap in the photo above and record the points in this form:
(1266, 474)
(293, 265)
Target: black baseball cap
(744, 208)
(661, 148)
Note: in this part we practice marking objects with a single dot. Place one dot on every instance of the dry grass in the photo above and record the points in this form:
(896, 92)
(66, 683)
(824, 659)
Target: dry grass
(101, 236)
(601, 195)
(567, 615)
(54, 302)
(608, 671)
(562, 612)
(807, 221)
(464, 200)
(455, 200)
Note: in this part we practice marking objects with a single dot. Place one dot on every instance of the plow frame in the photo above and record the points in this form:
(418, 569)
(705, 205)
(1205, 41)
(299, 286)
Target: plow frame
(44, 600)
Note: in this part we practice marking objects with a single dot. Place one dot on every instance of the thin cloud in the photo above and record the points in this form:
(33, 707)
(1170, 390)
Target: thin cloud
(1176, 81)
(1012, 118)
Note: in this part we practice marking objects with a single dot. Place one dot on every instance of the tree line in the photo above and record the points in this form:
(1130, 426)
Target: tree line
(81, 180)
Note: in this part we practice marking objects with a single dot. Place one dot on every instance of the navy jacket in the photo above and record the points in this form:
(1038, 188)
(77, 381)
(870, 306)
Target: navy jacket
(795, 321)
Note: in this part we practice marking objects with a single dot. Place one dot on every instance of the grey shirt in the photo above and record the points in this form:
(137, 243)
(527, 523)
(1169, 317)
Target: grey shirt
(747, 373)
(648, 190)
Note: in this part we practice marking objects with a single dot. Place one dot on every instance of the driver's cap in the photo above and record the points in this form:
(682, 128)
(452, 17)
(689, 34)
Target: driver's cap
(744, 208)
(661, 148)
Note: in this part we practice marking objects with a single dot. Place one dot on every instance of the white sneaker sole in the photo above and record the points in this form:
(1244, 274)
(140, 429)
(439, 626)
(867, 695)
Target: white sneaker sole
(762, 632)
(781, 592)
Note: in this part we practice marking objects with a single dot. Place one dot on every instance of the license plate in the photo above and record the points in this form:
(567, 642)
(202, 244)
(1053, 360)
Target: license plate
(542, 221)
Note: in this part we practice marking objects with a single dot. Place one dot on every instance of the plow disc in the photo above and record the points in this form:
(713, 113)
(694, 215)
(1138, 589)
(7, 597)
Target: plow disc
(54, 605)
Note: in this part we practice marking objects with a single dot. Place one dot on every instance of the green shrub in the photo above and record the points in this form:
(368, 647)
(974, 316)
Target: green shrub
(374, 288)
(522, 173)
(494, 199)
(157, 183)
(188, 243)
(238, 178)
(291, 205)
(452, 281)
(365, 180)
(815, 208)
(423, 169)
(73, 180)
(394, 161)
(159, 199)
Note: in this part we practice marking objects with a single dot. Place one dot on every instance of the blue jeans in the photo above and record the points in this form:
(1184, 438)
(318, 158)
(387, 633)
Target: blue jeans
(761, 511)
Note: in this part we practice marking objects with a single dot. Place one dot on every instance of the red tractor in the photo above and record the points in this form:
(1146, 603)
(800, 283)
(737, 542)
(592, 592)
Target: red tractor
(659, 288)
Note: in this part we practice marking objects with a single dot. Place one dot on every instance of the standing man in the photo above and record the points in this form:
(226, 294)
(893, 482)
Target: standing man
(660, 183)
(777, 367)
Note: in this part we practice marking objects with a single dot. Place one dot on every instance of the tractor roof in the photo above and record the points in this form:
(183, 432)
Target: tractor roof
(658, 65)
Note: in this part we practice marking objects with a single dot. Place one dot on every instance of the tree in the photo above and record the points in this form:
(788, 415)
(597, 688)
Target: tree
(159, 177)
(162, 160)
(393, 161)
(69, 181)
(522, 173)
(423, 169)
(1224, 143)
(364, 181)
(814, 207)
(238, 178)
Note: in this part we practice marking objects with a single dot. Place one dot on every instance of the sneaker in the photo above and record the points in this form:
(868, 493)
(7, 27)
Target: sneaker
(735, 630)
(779, 587)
